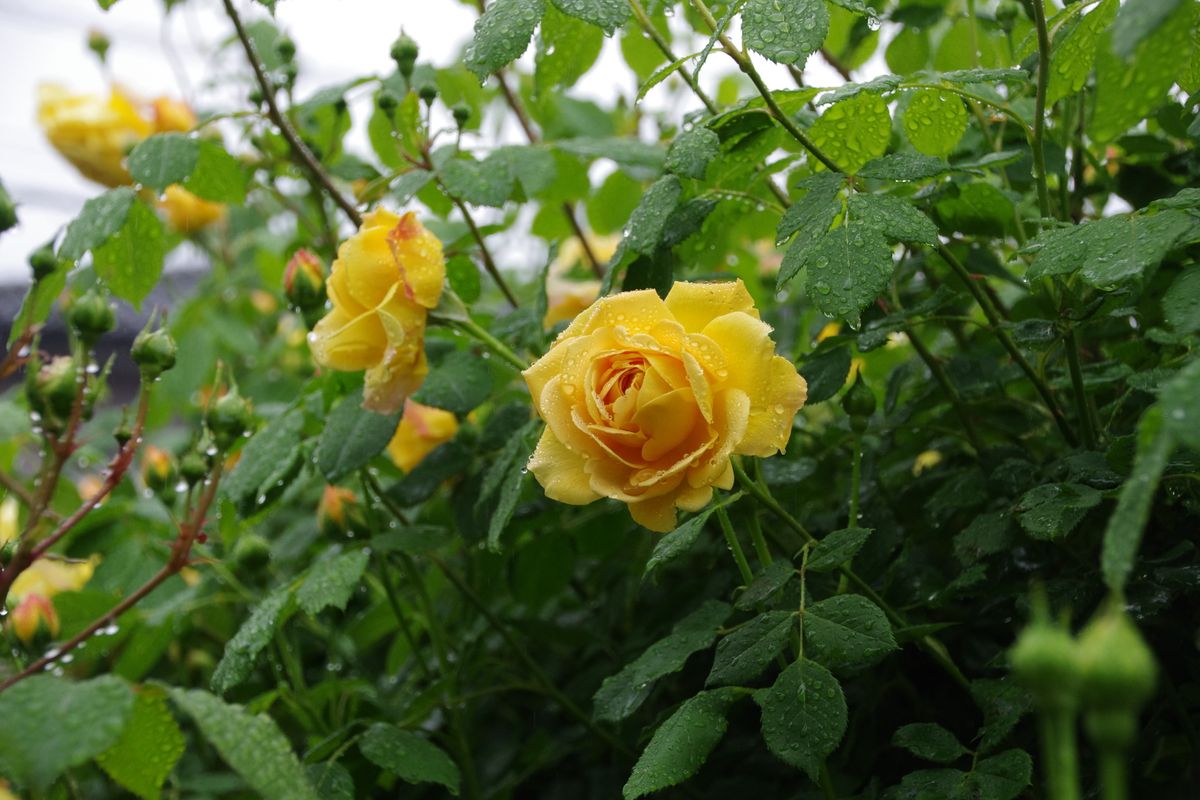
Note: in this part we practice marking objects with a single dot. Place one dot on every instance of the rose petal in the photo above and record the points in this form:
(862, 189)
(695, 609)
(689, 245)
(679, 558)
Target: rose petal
(347, 343)
(655, 513)
(694, 305)
(666, 421)
(637, 312)
(560, 471)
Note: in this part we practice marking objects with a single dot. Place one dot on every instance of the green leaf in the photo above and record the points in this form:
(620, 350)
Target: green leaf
(646, 224)
(1123, 534)
(164, 159)
(1112, 250)
(445, 462)
(975, 208)
(895, 218)
(98, 220)
(837, 548)
(478, 183)
(847, 630)
(681, 744)
(629, 153)
(766, 584)
(1003, 703)
(814, 212)
(785, 31)
(825, 370)
(331, 581)
(217, 177)
(854, 131)
(908, 52)
(803, 715)
(409, 756)
(1002, 777)
(677, 542)
(352, 437)
(533, 166)
(691, 151)
(929, 741)
(744, 654)
(935, 121)
(251, 744)
(459, 384)
(607, 15)
(501, 35)
(847, 269)
(1052, 510)
(1073, 55)
(509, 486)
(38, 302)
(331, 781)
(270, 456)
(51, 725)
(621, 694)
(149, 747)
(1180, 407)
(1137, 20)
(1126, 92)
(904, 167)
(131, 261)
(241, 652)
(567, 48)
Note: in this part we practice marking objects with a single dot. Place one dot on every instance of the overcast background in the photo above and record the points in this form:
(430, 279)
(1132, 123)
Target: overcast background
(154, 53)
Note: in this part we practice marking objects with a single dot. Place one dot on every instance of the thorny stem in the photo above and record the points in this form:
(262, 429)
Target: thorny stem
(488, 262)
(1039, 113)
(1082, 404)
(735, 546)
(664, 47)
(745, 65)
(929, 644)
(181, 550)
(498, 347)
(297, 145)
(989, 311)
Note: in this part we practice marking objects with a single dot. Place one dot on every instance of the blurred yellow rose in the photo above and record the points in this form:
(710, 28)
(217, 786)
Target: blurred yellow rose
(92, 132)
(172, 115)
(645, 400)
(32, 613)
(188, 213)
(565, 297)
(382, 284)
(33, 588)
(421, 430)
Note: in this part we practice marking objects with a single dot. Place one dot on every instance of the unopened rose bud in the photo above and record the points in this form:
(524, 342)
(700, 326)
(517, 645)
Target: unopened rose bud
(1119, 674)
(98, 42)
(339, 512)
(43, 262)
(462, 113)
(286, 48)
(8, 210)
(290, 72)
(428, 93)
(154, 352)
(404, 53)
(228, 418)
(35, 614)
(51, 392)
(91, 316)
(159, 471)
(193, 467)
(859, 404)
(251, 553)
(387, 101)
(304, 281)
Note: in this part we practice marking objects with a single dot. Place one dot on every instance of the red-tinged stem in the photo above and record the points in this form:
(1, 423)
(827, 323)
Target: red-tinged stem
(180, 555)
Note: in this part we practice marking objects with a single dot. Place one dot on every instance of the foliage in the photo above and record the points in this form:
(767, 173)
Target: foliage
(998, 240)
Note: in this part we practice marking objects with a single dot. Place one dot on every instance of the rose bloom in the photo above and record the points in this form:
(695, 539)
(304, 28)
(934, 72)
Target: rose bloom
(420, 432)
(645, 400)
(91, 132)
(565, 297)
(188, 213)
(382, 284)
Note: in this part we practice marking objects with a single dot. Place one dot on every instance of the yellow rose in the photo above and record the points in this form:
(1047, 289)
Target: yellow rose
(188, 213)
(645, 400)
(31, 614)
(172, 115)
(48, 577)
(565, 298)
(420, 432)
(382, 284)
(92, 133)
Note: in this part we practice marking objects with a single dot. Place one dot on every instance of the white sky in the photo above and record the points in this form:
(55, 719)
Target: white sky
(44, 41)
